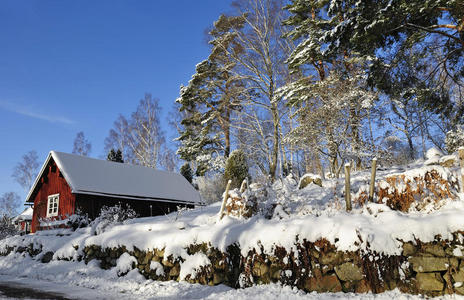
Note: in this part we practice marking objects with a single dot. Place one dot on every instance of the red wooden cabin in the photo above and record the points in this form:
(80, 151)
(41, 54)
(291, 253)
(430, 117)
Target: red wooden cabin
(68, 182)
(23, 221)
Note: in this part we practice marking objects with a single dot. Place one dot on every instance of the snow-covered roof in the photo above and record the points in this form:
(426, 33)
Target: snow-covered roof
(106, 178)
(25, 215)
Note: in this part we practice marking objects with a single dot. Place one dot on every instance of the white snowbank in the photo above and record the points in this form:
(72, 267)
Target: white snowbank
(124, 264)
(192, 265)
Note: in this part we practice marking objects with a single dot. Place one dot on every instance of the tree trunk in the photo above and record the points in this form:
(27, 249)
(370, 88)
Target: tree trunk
(275, 144)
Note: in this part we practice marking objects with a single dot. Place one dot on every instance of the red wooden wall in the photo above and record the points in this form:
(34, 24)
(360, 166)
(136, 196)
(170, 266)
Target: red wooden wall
(52, 183)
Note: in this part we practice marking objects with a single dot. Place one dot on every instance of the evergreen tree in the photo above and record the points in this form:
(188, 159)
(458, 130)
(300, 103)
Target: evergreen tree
(381, 32)
(186, 171)
(209, 100)
(115, 156)
(454, 139)
(236, 168)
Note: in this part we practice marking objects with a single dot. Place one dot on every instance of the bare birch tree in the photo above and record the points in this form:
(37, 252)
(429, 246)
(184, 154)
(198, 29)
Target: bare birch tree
(26, 170)
(81, 145)
(141, 138)
(262, 64)
(9, 204)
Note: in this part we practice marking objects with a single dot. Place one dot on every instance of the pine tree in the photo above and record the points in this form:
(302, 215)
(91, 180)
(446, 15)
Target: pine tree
(115, 156)
(380, 32)
(209, 100)
(455, 139)
(186, 171)
(236, 168)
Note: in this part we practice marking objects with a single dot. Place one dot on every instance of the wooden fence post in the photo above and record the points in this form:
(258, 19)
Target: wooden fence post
(244, 186)
(372, 184)
(224, 200)
(347, 187)
(461, 161)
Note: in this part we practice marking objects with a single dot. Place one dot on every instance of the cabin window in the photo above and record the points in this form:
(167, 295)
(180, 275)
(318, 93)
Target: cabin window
(52, 206)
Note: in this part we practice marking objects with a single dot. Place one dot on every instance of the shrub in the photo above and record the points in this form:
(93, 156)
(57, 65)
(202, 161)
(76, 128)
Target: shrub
(78, 220)
(454, 139)
(110, 216)
(236, 168)
(7, 228)
(210, 188)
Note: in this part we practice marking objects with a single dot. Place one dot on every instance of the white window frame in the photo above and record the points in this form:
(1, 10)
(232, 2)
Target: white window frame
(52, 209)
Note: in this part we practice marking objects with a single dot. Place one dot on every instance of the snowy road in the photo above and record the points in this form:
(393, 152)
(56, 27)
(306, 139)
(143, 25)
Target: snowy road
(11, 290)
(28, 288)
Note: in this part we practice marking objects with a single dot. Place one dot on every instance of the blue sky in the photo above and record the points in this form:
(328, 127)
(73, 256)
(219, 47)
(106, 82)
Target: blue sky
(70, 66)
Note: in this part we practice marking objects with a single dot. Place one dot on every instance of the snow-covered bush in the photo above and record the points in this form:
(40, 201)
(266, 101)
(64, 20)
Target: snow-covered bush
(7, 228)
(454, 139)
(210, 188)
(110, 216)
(78, 220)
(236, 168)
(207, 163)
(124, 264)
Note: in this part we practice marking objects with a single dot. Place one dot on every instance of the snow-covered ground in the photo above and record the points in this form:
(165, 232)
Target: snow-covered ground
(311, 213)
(96, 285)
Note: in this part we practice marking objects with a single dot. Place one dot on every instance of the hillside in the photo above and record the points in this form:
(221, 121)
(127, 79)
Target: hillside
(297, 237)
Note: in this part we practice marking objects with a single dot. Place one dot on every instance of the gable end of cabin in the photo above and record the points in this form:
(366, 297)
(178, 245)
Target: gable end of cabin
(52, 197)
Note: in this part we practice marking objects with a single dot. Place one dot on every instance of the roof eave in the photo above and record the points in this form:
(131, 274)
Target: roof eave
(133, 197)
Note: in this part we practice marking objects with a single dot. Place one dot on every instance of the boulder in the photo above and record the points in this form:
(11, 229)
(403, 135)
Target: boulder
(408, 249)
(159, 253)
(363, 287)
(307, 179)
(47, 257)
(434, 249)
(218, 278)
(323, 284)
(458, 276)
(431, 264)
(331, 258)
(146, 258)
(349, 272)
(430, 282)
(448, 161)
(260, 269)
(275, 271)
(175, 271)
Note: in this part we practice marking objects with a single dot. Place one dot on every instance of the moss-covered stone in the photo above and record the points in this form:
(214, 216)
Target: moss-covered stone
(260, 269)
(430, 282)
(331, 258)
(159, 253)
(434, 249)
(409, 249)
(175, 271)
(349, 272)
(275, 271)
(422, 264)
(167, 263)
(323, 284)
(458, 276)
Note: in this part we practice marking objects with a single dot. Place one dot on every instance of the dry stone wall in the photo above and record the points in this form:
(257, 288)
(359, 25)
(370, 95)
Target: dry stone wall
(435, 268)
